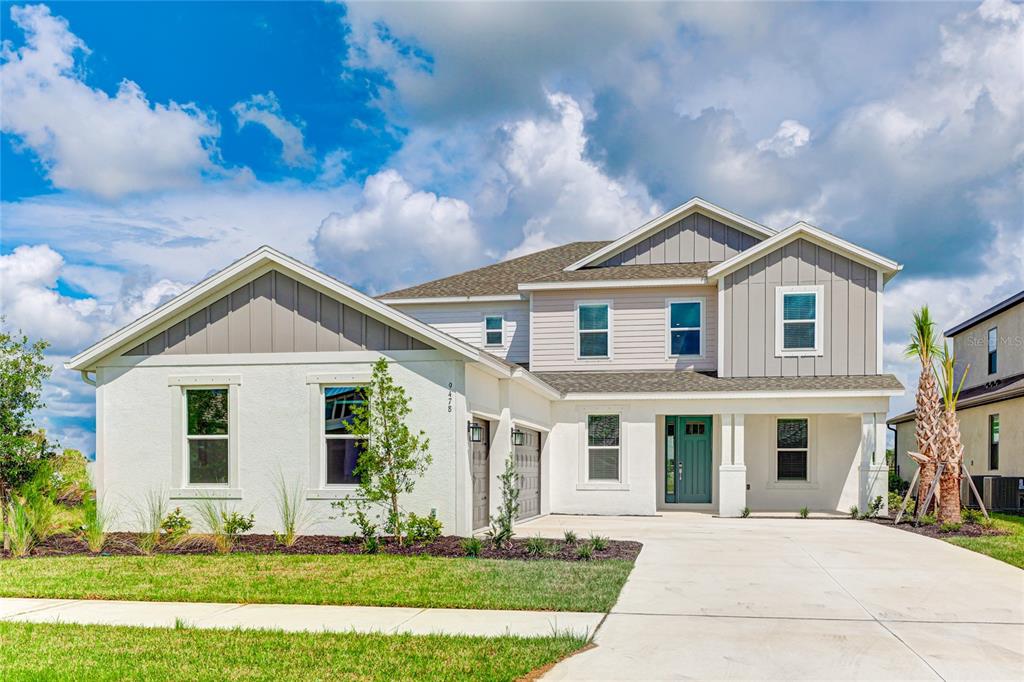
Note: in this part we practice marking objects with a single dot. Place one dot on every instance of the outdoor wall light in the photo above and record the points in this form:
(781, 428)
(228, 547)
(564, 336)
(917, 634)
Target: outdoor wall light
(476, 432)
(518, 437)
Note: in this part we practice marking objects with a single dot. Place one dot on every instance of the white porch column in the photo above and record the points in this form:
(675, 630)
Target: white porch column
(501, 444)
(874, 472)
(732, 472)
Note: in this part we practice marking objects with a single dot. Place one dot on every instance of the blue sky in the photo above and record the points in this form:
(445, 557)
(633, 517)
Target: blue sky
(147, 145)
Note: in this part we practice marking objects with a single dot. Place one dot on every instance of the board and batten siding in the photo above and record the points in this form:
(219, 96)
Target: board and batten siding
(639, 329)
(276, 314)
(465, 321)
(849, 332)
(693, 239)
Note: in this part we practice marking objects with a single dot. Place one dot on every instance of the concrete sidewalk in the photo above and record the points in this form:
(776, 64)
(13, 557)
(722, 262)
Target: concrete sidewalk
(301, 617)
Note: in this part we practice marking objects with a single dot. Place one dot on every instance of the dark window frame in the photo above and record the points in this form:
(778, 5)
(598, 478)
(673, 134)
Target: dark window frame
(993, 441)
(784, 456)
(993, 350)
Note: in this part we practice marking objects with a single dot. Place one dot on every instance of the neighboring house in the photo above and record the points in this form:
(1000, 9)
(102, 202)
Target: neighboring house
(701, 361)
(991, 404)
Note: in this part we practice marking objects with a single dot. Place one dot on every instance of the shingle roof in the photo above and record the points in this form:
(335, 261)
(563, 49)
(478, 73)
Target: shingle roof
(985, 394)
(672, 381)
(500, 278)
(617, 272)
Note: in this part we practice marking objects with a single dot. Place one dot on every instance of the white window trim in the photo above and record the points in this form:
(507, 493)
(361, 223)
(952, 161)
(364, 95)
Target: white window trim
(669, 329)
(584, 482)
(576, 327)
(483, 324)
(812, 459)
(819, 305)
(319, 488)
(178, 386)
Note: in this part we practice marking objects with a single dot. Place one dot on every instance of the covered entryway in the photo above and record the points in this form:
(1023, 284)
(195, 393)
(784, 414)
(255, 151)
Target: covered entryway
(528, 469)
(688, 459)
(480, 467)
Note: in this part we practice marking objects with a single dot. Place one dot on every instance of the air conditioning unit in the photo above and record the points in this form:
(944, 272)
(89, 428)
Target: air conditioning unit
(999, 492)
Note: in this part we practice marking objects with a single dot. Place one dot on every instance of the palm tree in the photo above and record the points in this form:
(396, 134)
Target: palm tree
(950, 447)
(928, 412)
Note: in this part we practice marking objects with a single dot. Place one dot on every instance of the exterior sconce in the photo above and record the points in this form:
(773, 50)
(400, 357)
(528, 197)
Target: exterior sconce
(476, 432)
(518, 437)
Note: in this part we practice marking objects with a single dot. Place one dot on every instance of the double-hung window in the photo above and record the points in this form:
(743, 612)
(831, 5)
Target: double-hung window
(494, 330)
(685, 328)
(993, 441)
(791, 438)
(593, 329)
(341, 447)
(207, 435)
(993, 350)
(798, 312)
(603, 448)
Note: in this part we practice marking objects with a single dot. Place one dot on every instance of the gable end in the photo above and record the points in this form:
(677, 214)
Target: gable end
(696, 238)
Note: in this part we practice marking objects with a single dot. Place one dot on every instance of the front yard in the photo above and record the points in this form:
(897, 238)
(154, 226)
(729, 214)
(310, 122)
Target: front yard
(367, 580)
(64, 651)
(1008, 547)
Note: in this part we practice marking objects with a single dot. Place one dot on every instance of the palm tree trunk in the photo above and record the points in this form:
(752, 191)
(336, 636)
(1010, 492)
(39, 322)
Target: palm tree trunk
(928, 426)
(952, 453)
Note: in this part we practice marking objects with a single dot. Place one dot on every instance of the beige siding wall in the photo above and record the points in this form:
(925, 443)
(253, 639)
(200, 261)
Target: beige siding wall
(465, 321)
(972, 347)
(974, 432)
(694, 239)
(638, 329)
(274, 314)
(850, 327)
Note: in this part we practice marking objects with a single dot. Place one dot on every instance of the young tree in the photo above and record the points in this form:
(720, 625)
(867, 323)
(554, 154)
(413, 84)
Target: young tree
(501, 531)
(23, 448)
(950, 447)
(394, 457)
(928, 411)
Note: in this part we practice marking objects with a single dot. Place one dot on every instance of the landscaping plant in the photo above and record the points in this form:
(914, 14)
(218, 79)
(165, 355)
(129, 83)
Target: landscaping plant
(175, 526)
(950, 526)
(950, 447)
(394, 457)
(928, 410)
(472, 546)
(95, 521)
(223, 526)
(971, 515)
(536, 546)
(295, 515)
(854, 512)
(570, 537)
(745, 513)
(424, 528)
(585, 551)
(23, 448)
(500, 533)
(599, 543)
(18, 528)
(149, 517)
(804, 512)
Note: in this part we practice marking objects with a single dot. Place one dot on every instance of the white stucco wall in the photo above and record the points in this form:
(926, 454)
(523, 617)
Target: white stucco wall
(273, 429)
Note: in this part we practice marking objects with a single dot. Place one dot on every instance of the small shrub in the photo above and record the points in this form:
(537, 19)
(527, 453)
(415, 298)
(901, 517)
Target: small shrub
(874, 507)
(897, 484)
(570, 537)
(950, 527)
(223, 527)
(988, 523)
(371, 544)
(236, 524)
(927, 520)
(804, 512)
(424, 528)
(854, 512)
(94, 526)
(472, 546)
(175, 525)
(896, 501)
(599, 543)
(19, 528)
(537, 546)
(585, 551)
(745, 513)
(971, 515)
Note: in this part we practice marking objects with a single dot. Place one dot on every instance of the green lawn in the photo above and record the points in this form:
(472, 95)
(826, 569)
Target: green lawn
(379, 580)
(1008, 548)
(99, 652)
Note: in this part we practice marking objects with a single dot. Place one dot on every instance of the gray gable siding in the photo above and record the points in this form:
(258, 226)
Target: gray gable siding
(276, 314)
(693, 239)
(849, 332)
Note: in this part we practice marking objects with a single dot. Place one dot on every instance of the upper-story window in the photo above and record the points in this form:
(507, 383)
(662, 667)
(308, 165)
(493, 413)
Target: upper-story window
(993, 350)
(593, 329)
(494, 330)
(686, 328)
(798, 315)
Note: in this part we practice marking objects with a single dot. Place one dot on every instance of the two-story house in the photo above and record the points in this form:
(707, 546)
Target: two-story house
(701, 361)
(989, 347)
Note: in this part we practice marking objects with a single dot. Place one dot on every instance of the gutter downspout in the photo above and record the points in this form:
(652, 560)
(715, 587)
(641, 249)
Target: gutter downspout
(895, 447)
(85, 377)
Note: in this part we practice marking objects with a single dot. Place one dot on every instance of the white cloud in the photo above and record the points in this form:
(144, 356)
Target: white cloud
(265, 110)
(85, 139)
(397, 235)
(790, 136)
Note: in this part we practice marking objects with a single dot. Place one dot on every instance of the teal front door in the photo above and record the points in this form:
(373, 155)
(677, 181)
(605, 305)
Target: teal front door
(688, 459)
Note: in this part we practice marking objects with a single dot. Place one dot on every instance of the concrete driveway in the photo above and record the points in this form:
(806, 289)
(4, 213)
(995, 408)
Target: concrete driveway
(798, 599)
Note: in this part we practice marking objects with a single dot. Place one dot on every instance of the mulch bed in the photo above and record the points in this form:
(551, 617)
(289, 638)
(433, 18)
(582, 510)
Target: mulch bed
(967, 530)
(126, 544)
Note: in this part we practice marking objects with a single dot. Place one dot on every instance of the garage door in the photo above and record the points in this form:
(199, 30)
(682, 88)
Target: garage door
(528, 468)
(479, 465)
